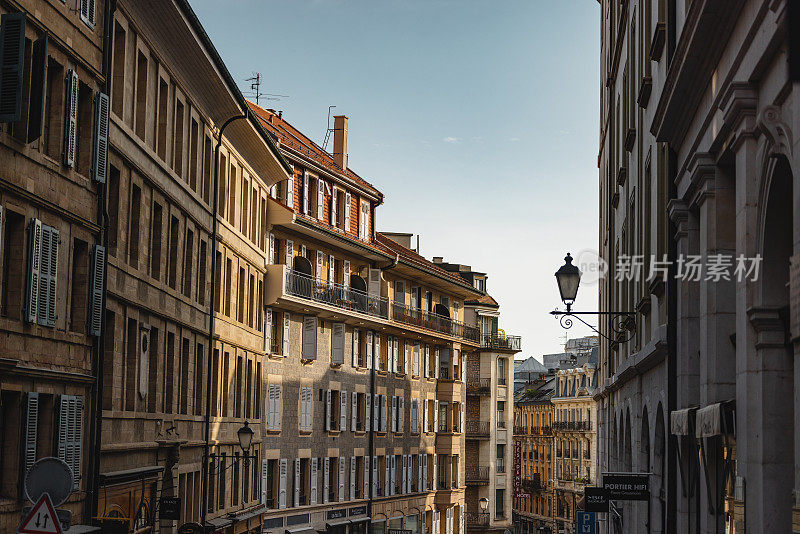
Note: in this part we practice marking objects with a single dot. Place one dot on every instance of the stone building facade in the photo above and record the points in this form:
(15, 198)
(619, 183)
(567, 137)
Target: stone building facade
(170, 95)
(365, 359)
(697, 145)
(52, 102)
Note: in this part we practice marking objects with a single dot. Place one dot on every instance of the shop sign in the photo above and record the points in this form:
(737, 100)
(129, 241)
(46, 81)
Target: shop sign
(336, 514)
(358, 510)
(595, 499)
(627, 486)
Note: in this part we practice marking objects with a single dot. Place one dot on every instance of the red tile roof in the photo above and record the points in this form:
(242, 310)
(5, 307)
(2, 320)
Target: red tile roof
(486, 300)
(395, 248)
(294, 140)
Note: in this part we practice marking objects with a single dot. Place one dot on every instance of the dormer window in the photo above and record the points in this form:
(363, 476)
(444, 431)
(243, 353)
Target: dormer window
(480, 284)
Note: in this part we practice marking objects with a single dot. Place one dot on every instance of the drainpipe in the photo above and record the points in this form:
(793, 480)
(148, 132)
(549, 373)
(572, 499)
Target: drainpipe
(672, 345)
(110, 8)
(212, 300)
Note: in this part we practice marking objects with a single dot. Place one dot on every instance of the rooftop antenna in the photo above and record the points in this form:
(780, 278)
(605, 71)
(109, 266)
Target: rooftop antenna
(328, 131)
(255, 85)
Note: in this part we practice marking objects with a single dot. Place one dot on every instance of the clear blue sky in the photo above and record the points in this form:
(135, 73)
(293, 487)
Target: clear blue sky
(477, 119)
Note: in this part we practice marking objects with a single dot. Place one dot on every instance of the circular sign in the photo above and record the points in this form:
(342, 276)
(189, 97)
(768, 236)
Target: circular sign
(190, 528)
(52, 476)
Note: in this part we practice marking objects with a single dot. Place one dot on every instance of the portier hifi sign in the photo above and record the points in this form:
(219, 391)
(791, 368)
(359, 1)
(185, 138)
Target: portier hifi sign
(627, 486)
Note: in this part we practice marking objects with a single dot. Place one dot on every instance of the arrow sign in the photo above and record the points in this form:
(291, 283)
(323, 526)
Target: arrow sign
(42, 519)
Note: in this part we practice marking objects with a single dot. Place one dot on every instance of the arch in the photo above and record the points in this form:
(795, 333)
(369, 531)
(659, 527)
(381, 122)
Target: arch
(441, 310)
(302, 265)
(357, 283)
(659, 462)
(628, 442)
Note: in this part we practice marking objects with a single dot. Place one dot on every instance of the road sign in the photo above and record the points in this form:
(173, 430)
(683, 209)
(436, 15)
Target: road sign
(595, 499)
(42, 519)
(627, 486)
(169, 508)
(586, 522)
(51, 476)
(64, 516)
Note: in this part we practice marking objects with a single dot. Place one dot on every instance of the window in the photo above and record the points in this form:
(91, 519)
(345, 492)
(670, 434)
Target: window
(163, 102)
(501, 371)
(500, 466)
(155, 241)
(141, 94)
(501, 414)
(480, 284)
(363, 221)
(499, 503)
(274, 407)
(172, 276)
(177, 139)
(80, 285)
(13, 243)
(306, 408)
(187, 263)
(54, 106)
(201, 274)
(135, 224)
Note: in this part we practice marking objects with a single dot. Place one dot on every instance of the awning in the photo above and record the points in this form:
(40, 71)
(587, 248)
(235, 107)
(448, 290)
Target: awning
(301, 530)
(337, 523)
(360, 520)
(679, 421)
(714, 420)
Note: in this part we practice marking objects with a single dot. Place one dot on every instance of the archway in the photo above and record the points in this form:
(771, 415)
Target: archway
(643, 466)
(658, 513)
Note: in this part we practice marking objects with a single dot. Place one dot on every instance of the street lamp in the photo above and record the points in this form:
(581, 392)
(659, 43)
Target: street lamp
(568, 277)
(245, 435)
(484, 504)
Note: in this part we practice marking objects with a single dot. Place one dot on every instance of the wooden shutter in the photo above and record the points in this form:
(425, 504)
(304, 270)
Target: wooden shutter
(264, 481)
(341, 478)
(352, 478)
(346, 273)
(376, 417)
(34, 267)
(320, 199)
(290, 190)
(331, 270)
(326, 480)
(309, 337)
(12, 65)
(425, 415)
(282, 483)
(334, 208)
(337, 355)
(313, 491)
(369, 349)
(425, 472)
(31, 427)
(394, 413)
(278, 407)
(419, 473)
(296, 482)
(353, 412)
(427, 362)
(289, 253)
(48, 276)
(271, 251)
(436, 365)
(366, 478)
(393, 484)
(393, 351)
(355, 347)
(436, 416)
(70, 433)
(100, 159)
(88, 12)
(377, 352)
(38, 81)
(348, 200)
(367, 411)
(267, 330)
(320, 265)
(415, 363)
(71, 123)
(343, 411)
(403, 477)
(374, 477)
(328, 406)
(306, 184)
(286, 322)
(414, 407)
(386, 477)
(96, 288)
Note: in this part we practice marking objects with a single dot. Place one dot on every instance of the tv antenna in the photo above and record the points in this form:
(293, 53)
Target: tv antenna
(255, 90)
(328, 131)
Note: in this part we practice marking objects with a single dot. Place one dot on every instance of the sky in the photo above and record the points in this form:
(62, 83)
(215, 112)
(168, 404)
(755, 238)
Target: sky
(477, 119)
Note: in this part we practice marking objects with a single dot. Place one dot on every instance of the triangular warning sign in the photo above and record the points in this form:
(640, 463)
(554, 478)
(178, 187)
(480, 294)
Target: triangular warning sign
(42, 519)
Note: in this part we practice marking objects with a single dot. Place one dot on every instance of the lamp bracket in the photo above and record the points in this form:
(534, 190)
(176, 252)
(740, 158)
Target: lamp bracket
(622, 324)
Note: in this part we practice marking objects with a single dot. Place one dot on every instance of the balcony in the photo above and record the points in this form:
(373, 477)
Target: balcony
(479, 386)
(336, 295)
(573, 426)
(520, 430)
(477, 429)
(437, 323)
(500, 342)
(532, 484)
(477, 475)
(477, 520)
(541, 431)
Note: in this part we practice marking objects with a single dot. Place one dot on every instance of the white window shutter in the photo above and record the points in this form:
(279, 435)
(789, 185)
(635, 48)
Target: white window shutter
(337, 355)
(436, 365)
(271, 251)
(270, 406)
(341, 478)
(31, 429)
(355, 347)
(320, 269)
(48, 276)
(374, 477)
(289, 253)
(328, 406)
(401, 413)
(394, 413)
(290, 190)
(425, 472)
(461, 522)
(296, 482)
(331, 270)
(376, 417)
(306, 184)
(264, 482)
(71, 124)
(348, 201)
(267, 330)
(393, 350)
(367, 410)
(326, 477)
(286, 322)
(365, 494)
(309, 337)
(403, 475)
(463, 417)
(320, 199)
(301, 422)
(384, 412)
(419, 473)
(313, 492)
(282, 483)
(334, 208)
(425, 415)
(377, 352)
(353, 411)
(426, 361)
(278, 410)
(414, 416)
(369, 349)
(96, 286)
(70, 433)
(436, 416)
(100, 155)
(346, 273)
(343, 411)
(415, 361)
(393, 485)
(387, 478)
(33, 280)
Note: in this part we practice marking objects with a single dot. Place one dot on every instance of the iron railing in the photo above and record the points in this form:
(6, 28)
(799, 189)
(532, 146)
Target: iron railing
(494, 341)
(477, 519)
(578, 426)
(479, 386)
(430, 321)
(520, 430)
(477, 429)
(477, 474)
(338, 295)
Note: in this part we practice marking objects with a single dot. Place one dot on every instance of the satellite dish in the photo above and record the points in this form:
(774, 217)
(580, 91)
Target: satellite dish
(52, 476)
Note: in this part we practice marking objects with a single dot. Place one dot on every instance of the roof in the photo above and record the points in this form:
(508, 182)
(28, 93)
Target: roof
(412, 258)
(293, 139)
(484, 300)
(531, 365)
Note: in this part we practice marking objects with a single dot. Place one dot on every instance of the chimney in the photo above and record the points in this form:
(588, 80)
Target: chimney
(340, 140)
(438, 259)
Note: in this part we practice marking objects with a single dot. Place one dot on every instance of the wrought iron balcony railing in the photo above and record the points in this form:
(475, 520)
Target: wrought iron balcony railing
(437, 323)
(574, 426)
(477, 474)
(476, 429)
(338, 295)
(494, 341)
(477, 519)
(479, 386)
